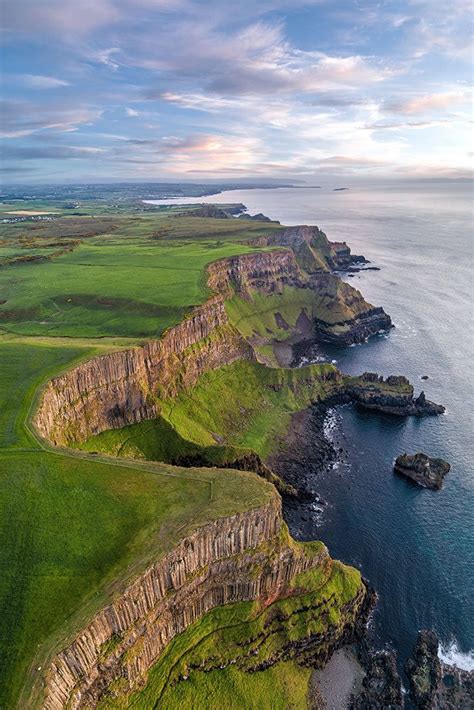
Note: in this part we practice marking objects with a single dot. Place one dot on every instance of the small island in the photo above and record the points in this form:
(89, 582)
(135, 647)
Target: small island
(422, 469)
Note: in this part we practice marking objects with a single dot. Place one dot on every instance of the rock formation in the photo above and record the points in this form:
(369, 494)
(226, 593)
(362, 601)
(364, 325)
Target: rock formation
(382, 686)
(435, 685)
(264, 272)
(341, 314)
(391, 396)
(425, 471)
(121, 388)
(424, 670)
(239, 558)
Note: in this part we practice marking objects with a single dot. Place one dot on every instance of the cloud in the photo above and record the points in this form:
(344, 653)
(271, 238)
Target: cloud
(132, 113)
(37, 81)
(422, 104)
(395, 126)
(50, 152)
(22, 118)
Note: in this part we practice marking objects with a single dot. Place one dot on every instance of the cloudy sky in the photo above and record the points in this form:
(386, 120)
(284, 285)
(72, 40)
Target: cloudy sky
(198, 89)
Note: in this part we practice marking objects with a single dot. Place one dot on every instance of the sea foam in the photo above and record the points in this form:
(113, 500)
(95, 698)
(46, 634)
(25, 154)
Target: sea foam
(452, 656)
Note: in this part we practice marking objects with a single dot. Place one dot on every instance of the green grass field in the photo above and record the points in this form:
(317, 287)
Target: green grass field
(75, 525)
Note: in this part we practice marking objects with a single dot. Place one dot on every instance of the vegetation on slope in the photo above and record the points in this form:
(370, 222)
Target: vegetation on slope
(218, 660)
(73, 529)
(240, 408)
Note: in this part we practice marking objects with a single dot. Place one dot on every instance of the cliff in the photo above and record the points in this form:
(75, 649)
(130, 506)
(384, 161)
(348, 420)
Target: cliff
(240, 558)
(339, 313)
(265, 272)
(312, 248)
(121, 388)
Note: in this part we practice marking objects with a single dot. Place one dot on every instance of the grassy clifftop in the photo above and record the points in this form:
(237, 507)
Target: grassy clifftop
(77, 526)
(73, 527)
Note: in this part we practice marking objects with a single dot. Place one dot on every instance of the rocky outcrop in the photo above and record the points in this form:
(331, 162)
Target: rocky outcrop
(424, 670)
(382, 686)
(391, 396)
(259, 217)
(264, 272)
(121, 388)
(435, 685)
(313, 250)
(341, 315)
(422, 469)
(239, 558)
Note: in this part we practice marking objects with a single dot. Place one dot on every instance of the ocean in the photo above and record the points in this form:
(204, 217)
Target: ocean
(415, 546)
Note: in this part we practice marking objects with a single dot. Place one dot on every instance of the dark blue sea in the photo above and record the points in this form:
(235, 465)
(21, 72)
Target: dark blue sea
(415, 546)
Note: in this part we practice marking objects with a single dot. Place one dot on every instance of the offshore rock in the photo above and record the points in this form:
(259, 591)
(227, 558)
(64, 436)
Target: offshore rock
(391, 396)
(422, 469)
(435, 685)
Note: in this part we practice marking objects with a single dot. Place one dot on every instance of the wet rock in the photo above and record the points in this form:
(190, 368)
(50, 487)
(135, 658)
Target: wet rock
(422, 469)
(424, 670)
(391, 396)
(382, 687)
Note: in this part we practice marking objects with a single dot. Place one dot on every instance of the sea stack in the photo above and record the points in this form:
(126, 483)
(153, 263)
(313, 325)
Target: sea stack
(422, 469)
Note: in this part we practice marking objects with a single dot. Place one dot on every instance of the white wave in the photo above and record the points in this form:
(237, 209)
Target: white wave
(452, 656)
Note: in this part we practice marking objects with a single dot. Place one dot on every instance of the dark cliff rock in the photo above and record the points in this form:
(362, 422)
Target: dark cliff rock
(391, 396)
(422, 469)
(382, 687)
(435, 685)
(354, 330)
(424, 670)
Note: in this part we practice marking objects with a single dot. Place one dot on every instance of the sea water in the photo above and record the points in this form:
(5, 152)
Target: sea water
(415, 546)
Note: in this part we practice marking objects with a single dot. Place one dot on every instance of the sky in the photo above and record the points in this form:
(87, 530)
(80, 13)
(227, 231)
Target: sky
(210, 89)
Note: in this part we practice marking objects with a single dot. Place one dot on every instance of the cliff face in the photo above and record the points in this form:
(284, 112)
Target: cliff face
(114, 390)
(341, 314)
(266, 272)
(313, 250)
(239, 558)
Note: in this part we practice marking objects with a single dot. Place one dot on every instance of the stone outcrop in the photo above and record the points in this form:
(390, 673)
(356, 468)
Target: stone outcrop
(313, 249)
(424, 670)
(264, 272)
(382, 686)
(121, 388)
(435, 685)
(422, 469)
(259, 217)
(242, 557)
(341, 315)
(391, 396)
